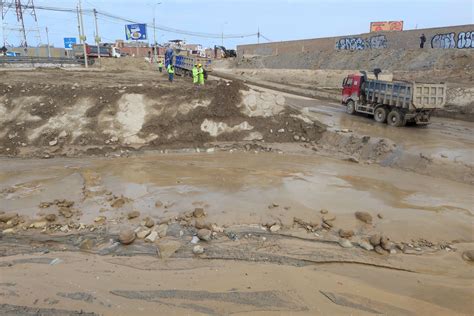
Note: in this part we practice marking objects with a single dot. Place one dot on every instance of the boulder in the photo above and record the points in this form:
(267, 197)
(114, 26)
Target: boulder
(126, 237)
(346, 233)
(149, 222)
(468, 255)
(199, 212)
(152, 236)
(375, 240)
(364, 217)
(366, 245)
(275, 228)
(204, 234)
(198, 250)
(344, 243)
(133, 214)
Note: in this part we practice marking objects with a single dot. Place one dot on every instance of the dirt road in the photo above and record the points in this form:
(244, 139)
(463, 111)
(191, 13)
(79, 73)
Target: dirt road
(323, 213)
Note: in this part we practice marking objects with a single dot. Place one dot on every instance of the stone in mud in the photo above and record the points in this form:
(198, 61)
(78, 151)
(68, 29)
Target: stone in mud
(328, 223)
(364, 217)
(375, 240)
(8, 216)
(100, 219)
(380, 250)
(162, 230)
(326, 226)
(8, 231)
(126, 237)
(468, 255)
(217, 229)
(50, 217)
(158, 204)
(380, 216)
(152, 237)
(344, 243)
(54, 142)
(346, 233)
(365, 245)
(204, 234)
(385, 243)
(143, 233)
(133, 214)
(199, 212)
(39, 225)
(198, 250)
(149, 222)
(87, 244)
(275, 228)
(200, 224)
(118, 203)
(323, 211)
(13, 222)
(66, 212)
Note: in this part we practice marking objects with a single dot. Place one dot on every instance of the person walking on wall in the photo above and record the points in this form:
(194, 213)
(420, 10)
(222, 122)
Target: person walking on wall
(422, 40)
(160, 66)
(201, 75)
(195, 75)
(170, 72)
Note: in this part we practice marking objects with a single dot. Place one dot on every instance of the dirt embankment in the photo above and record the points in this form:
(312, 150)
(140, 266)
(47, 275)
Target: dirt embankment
(68, 119)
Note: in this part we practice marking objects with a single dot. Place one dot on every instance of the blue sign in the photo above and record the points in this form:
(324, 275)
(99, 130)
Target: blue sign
(69, 41)
(135, 32)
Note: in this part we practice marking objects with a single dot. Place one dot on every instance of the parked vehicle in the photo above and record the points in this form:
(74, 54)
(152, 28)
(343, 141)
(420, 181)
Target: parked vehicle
(395, 103)
(184, 65)
(93, 51)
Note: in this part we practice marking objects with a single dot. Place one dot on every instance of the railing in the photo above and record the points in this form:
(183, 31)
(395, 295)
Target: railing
(4, 60)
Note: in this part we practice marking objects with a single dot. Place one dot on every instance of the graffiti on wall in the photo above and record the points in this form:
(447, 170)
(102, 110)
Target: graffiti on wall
(359, 43)
(450, 40)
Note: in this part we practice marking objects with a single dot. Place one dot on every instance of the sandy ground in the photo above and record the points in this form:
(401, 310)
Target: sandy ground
(276, 219)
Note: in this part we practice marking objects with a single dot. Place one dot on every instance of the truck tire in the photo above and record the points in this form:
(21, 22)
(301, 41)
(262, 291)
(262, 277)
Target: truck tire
(380, 114)
(350, 109)
(396, 118)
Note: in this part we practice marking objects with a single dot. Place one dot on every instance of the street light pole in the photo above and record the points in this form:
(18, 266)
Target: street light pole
(83, 36)
(155, 53)
(97, 37)
(47, 39)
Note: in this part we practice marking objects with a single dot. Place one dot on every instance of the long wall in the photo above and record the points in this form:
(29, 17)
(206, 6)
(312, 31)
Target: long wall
(459, 37)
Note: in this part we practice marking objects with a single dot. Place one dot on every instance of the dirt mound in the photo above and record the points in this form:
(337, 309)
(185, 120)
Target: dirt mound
(454, 63)
(124, 64)
(48, 120)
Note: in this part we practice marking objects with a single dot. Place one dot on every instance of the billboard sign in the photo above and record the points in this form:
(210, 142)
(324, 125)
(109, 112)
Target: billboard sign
(135, 32)
(69, 42)
(386, 26)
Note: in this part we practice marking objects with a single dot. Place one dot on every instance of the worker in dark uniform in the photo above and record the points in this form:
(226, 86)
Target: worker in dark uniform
(422, 40)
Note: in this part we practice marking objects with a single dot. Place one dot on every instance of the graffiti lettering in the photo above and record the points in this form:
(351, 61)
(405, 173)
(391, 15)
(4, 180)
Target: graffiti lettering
(358, 43)
(466, 40)
(448, 40)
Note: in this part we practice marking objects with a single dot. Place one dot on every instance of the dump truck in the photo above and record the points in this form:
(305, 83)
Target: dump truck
(184, 65)
(394, 103)
(93, 51)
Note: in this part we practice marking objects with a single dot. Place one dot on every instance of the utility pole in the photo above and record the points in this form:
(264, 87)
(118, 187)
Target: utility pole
(82, 33)
(154, 39)
(47, 39)
(97, 37)
(258, 35)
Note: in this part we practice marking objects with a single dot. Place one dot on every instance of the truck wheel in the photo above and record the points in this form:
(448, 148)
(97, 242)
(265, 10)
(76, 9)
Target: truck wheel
(380, 114)
(350, 107)
(396, 118)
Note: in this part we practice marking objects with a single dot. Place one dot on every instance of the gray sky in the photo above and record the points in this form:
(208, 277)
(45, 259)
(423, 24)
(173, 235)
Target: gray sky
(277, 19)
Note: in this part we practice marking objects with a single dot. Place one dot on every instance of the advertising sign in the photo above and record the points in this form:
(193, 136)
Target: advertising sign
(386, 26)
(69, 42)
(135, 32)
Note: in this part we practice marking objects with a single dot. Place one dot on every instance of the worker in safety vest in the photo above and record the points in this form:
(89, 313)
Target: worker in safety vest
(201, 74)
(160, 66)
(195, 74)
(170, 72)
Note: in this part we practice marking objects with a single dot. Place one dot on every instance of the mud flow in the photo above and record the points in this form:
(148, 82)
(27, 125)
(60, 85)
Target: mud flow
(123, 194)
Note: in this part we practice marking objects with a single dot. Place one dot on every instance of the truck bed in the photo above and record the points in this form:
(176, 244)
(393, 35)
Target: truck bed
(410, 96)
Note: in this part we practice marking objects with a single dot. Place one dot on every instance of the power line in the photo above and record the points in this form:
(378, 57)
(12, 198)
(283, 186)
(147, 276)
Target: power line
(158, 27)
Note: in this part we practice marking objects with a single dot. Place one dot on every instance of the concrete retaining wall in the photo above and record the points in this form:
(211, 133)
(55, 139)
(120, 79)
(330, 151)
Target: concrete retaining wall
(453, 37)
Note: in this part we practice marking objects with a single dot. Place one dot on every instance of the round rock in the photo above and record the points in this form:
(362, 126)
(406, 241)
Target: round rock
(204, 234)
(344, 243)
(468, 255)
(133, 214)
(346, 233)
(126, 237)
(364, 217)
(50, 217)
(198, 250)
(375, 240)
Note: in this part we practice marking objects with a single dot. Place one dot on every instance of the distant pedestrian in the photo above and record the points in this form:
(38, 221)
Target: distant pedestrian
(200, 75)
(170, 73)
(422, 40)
(195, 75)
(160, 66)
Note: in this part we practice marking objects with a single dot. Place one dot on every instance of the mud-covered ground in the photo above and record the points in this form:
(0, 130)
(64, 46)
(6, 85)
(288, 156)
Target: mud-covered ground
(157, 212)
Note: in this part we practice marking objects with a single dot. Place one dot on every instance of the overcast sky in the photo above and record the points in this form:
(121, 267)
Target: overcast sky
(277, 19)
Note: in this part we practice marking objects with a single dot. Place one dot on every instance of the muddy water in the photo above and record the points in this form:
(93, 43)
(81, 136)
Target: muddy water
(237, 188)
(444, 139)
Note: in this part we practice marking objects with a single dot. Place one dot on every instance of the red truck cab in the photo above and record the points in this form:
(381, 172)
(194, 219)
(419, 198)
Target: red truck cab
(351, 88)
